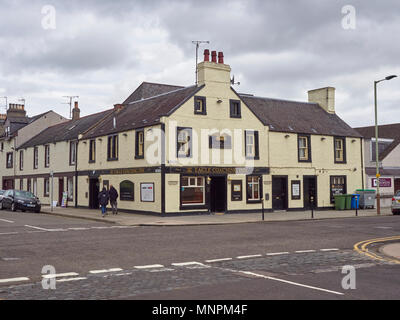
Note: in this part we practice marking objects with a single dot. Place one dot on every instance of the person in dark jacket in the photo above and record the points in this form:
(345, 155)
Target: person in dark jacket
(103, 201)
(113, 199)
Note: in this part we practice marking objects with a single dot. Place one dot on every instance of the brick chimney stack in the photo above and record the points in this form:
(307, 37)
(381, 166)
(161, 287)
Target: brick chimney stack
(76, 112)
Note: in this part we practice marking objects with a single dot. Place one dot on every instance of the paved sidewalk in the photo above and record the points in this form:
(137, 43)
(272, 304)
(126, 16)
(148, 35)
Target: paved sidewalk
(129, 219)
(392, 250)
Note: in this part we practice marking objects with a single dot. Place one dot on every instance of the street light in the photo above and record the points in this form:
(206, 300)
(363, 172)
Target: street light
(378, 196)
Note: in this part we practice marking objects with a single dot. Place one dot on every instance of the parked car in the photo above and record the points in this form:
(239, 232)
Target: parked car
(396, 203)
(20, 200)
(1, 194)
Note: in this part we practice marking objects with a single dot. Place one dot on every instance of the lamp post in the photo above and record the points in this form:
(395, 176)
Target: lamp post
(378, 196)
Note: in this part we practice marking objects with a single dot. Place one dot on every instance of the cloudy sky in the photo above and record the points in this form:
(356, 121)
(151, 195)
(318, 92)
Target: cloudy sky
(102, 50)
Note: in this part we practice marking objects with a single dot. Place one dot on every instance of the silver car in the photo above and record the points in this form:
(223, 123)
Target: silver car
(396, 203)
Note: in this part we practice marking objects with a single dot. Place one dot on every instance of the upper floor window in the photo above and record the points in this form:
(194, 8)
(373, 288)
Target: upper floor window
(382, 145)
(251, 144)
(21, 160)
(92, 150)
(304, 149)
(72, 153)
(9, 158)
(235, 109)
(35, 157)
(46, 156)
(200, 105)
(184, 142)
(340, 150)
(112, 148)
(139, 146)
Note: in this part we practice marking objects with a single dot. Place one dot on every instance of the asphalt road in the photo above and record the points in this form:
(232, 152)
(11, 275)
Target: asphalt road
(276, 260)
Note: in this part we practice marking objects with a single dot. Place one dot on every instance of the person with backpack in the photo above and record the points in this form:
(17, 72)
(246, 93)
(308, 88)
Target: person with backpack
(113, 199)
(103, 201)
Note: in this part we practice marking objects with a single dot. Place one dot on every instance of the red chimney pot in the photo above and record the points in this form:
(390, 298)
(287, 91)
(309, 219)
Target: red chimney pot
(214, 56)
(206, 55)
(220, 57)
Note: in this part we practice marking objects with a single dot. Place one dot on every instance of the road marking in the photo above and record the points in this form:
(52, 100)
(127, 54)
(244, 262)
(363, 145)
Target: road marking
(123, 274)
(10, 259)
(150, 266)
(106, 270)
(60, 275)
(183, 264)
(9, 221)
(100, 228)
(326, 250)
(78, 229)
(7, 233)
(289, 282)
(38, 228)
(384, 227)
(14, 280)
(277, 253)
(71, 279)
(304, 251)
(218, 260)
(361, 247)
(251, 256)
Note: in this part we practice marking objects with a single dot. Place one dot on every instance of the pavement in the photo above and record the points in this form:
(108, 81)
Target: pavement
(392, 250)
(130, 219)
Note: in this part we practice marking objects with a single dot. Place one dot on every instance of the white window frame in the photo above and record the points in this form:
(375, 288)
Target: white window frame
(195, 185)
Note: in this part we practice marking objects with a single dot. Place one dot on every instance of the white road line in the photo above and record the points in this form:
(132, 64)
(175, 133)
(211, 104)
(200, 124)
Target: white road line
(78, 229)
(38, 228)
(290, 282)
(182, 264)
(150, 266)
(9, 221)
(106, 270)
(14, 280)
(277, 253)
(218, 260)
(100, 228)
(60, 275)
(7, 233)
(123, 274)
(251, 256)
(333, 249)
(305, 251)
(71, 279)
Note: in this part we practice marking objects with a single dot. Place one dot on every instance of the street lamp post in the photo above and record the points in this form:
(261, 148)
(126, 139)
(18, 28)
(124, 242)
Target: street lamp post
(378, 196)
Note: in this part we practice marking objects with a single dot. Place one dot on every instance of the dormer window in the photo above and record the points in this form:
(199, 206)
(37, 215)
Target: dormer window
(200, 105)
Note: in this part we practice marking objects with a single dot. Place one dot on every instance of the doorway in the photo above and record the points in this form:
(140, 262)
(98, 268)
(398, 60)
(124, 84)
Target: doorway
(396, 185)
(279, 193)
(60, 190)
(94, 189)
(218, 194)
(310, 192)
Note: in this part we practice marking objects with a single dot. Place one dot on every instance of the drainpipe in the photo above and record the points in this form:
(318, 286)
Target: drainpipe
(362, 163)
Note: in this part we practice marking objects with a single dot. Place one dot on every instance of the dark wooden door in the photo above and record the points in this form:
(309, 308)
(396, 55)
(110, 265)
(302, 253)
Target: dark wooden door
(310, 192)
(218, 194)
(60, 190)
(94, 186)
(279, 193)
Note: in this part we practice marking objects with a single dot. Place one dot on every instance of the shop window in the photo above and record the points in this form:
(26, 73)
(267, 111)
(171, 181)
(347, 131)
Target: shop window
(338, 186)
(253, 188)
(70, 188)
(200, 105)
(139, 146)
(251, 144)
(112, 148)
(304, 148)
(340, 150)
(9, 158)
(127, 190)
(235, 109)
(184, 142)
(192, 190)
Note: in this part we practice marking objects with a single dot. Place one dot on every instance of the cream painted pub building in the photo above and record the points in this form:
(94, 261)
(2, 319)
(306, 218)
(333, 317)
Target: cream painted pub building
(198, 149)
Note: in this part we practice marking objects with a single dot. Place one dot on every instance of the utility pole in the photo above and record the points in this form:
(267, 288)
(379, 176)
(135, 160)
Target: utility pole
(197, 43)
(70, 103)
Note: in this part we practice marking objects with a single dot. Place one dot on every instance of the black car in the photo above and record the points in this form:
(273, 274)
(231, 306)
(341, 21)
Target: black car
(20, 200)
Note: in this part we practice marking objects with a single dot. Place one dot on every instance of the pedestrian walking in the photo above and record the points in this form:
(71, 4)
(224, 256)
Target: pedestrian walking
(113, 199)
(103, 201)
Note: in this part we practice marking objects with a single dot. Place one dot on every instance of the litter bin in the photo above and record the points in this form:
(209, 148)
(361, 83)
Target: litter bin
(367, 198)
(355, 200)
(348, 201)
(340, 201)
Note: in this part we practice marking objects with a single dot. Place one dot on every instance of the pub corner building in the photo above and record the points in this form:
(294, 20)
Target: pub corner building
(203, 148)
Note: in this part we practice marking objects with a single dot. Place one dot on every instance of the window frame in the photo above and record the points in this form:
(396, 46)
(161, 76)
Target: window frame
(332, 198)
(35, 157)
(21, 160)
(203, 100)
(92, 151)
(189, 206)
(113, 147)
(232, 109)
(72, 147)
(47, 156)
(46, 193)
(308, 149)
(10, 165)
(343, 139)
(255, 144)
(260, 188)
(189, 152)
(138, 133)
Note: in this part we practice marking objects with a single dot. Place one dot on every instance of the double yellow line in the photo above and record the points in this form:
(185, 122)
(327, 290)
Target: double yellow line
(361, 247)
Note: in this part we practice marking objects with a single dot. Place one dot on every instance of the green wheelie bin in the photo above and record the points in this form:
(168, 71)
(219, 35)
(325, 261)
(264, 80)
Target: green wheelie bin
(348, 201)
(340, 201)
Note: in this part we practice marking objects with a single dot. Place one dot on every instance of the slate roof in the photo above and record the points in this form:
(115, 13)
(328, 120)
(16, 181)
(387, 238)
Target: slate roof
(297, 117)
(388, 131)
(66, 131)
(149, 89)
(143, 113)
